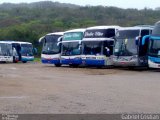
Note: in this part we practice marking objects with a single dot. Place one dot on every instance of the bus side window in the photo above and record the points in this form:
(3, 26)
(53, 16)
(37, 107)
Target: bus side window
(110, 33)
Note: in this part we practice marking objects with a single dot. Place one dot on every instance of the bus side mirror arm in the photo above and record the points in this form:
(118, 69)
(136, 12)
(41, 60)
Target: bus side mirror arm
(144, 39)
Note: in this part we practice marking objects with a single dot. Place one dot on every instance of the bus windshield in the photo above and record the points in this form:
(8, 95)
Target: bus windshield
(154, 47)
(125, 47)
(5, 49)
(50, 45)
(70, 48)
(125, 43)
(26, 50)
(92, 47)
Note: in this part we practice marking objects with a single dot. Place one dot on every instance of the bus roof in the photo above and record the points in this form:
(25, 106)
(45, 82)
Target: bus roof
(20, 42)
(145, 26)
(136, 28)
(5, 42)
(76, 30)
(103, 27)
(56, 33)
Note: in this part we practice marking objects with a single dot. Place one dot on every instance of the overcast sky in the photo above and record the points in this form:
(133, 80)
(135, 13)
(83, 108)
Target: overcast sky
(139, 4)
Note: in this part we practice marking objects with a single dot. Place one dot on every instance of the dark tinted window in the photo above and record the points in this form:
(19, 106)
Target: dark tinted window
(127, 33)
(99, 33)
(51, 38)
(144, 32)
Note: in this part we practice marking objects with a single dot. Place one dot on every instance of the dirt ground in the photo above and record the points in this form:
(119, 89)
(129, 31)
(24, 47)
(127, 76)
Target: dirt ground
(37, 88)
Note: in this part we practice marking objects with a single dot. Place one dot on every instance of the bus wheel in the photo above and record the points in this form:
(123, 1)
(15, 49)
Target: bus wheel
(57, 65)
(24, 61)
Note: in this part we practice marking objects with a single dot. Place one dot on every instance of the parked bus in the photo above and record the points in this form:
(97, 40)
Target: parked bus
(16, 51)
(25, 51)
(51, 51)
(22, 51)
(97, 45)
(71, 47)
(154, 46)
(6, 52)
(128, 50)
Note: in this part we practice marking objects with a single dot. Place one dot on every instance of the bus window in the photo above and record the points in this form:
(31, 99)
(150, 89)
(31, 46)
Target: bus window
(144, 32)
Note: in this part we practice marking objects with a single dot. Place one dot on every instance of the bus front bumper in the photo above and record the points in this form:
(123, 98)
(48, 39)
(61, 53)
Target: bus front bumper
(24, 58)
(50, 61)
(153, 62)
(76, 61)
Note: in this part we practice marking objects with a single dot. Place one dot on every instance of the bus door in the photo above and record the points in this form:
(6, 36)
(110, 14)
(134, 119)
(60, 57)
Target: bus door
(17, 47)
(108, 51)
(143, 49)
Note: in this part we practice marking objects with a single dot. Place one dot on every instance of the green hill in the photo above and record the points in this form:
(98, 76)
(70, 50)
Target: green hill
(28, 22)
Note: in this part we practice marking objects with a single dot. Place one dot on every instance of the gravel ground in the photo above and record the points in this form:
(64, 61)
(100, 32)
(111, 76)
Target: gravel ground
(37, 88)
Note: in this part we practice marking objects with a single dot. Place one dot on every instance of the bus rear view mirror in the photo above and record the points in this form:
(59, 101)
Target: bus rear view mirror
(137, 40)
(145, 38)
(58, 44)
(107, 51)
(35, 51)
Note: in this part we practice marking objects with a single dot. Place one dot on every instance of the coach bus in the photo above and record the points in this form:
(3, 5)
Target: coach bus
(14, 51)
(25, 51)
(128, 50)
(97, 46)
(6, 52)
(154, 46)
(51, 51)
(71, 47)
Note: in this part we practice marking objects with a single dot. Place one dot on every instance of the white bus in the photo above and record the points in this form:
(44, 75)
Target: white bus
(14, 51)
(71, 47)
(97, 45)
(129, 50)
(51, 51)
(24, 51)
(6, 52)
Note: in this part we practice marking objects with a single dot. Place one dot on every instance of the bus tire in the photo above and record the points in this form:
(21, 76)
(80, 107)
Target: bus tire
(24, 61)
(57, 65)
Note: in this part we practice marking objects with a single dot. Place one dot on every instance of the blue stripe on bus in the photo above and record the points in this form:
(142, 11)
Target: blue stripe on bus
(155, 37)
(51, 61)
(71, 61)
(27, 59)
(92, 62)
(154, 59)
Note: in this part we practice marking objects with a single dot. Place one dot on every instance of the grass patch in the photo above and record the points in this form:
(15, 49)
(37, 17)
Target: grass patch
(37, 59)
